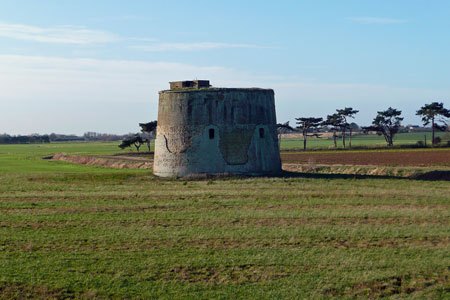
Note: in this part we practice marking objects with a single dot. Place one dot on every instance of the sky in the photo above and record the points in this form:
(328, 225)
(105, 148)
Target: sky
(77, 66)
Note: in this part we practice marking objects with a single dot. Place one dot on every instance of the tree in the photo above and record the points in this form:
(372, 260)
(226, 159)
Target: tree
(345, 113)
(283, 128)
(354, 126)
(125, 143)
(309, 127)
(149, 129)
(334, 121)
(386, 123)
(135, 140)
(434, 113)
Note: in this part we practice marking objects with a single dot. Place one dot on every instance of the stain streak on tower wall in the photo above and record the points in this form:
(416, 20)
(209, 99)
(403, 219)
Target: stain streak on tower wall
(216, 131)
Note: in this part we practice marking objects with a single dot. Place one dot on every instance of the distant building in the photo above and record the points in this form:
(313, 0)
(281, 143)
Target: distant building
(417, 128)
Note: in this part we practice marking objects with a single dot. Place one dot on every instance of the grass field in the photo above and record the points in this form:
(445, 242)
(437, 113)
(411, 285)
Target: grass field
(80, 232)
(362, 141)
(28, 158)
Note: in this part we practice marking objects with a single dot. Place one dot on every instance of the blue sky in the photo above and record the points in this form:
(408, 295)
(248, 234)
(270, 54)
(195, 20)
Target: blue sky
(77, 66)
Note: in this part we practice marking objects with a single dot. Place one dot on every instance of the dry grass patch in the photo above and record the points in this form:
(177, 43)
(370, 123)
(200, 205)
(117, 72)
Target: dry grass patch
(15, 291)
(239, 274)
(408, 284)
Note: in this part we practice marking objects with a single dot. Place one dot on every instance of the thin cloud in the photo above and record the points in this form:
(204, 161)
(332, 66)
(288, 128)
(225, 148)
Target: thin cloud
(142, 39)
(60, 90)
(195, 46)
(120, 18)
(57, 35)
(372, 20)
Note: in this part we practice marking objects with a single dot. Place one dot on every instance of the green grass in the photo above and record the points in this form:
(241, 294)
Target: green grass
(69, 231)
(360, 141)
(28, 158)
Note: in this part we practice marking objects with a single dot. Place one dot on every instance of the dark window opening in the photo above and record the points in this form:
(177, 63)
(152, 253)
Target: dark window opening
(261, 133)
(211, 133)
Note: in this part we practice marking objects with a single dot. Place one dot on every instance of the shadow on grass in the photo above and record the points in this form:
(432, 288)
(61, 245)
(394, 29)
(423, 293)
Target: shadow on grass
(430, 176)
(290, 174)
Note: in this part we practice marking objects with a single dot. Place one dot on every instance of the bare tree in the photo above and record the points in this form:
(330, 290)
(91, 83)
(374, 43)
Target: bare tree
(334, 121)
(345, 113)
(282, 128)
(309, 127)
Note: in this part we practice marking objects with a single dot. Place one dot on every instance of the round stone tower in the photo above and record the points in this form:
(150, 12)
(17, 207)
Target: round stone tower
(204, 130)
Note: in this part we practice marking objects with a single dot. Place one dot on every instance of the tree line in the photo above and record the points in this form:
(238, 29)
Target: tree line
(57, 137)
(386, 123)
(24, 139)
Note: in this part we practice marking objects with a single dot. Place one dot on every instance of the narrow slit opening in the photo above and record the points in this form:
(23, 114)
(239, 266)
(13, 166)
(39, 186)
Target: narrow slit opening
(261, 133)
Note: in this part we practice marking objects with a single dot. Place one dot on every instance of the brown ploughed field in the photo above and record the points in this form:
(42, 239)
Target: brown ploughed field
(377, 158)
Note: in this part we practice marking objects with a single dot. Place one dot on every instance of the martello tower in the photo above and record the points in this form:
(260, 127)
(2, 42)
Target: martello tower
(206, 130)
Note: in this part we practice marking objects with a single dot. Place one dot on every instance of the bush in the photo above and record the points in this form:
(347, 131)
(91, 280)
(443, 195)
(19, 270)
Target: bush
(420, 144)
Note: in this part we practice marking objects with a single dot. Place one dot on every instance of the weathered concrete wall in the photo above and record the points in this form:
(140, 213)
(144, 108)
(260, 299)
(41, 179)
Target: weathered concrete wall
(216, 131)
